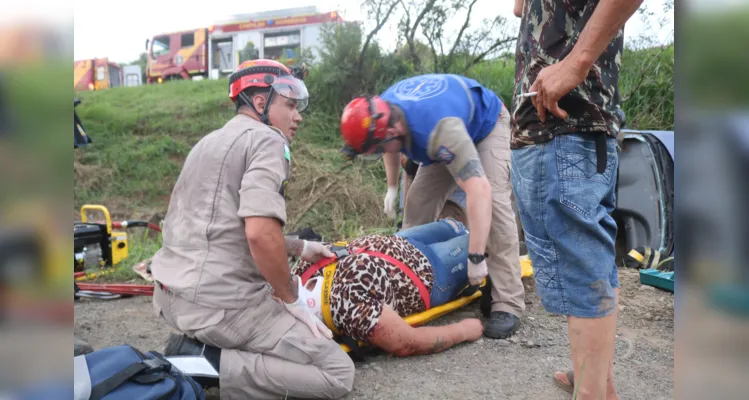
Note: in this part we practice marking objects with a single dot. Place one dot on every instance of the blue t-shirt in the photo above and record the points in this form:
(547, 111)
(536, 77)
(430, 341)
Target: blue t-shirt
(427, 99)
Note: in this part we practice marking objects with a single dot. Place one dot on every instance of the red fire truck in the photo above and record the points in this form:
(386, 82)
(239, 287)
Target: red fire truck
(96, 74)
(216, 50)
(177, 55)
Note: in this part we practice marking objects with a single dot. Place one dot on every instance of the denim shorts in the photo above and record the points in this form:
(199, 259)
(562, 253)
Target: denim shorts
(445, 245)
(565, 207)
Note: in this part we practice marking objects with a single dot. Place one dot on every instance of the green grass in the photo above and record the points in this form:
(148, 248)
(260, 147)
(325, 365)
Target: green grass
(646, 87)
(499, 76)
(142, 136)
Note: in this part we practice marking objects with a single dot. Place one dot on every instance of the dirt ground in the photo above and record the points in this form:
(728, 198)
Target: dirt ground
(519, 368)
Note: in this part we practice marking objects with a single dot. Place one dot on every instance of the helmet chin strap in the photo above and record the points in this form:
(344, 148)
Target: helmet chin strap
(266, 109)
(264, 116)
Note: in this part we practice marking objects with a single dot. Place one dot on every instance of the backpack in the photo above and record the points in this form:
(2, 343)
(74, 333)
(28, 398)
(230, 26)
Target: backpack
(123, 372)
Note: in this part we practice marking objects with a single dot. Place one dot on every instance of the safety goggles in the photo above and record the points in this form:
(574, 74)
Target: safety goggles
(291, 88)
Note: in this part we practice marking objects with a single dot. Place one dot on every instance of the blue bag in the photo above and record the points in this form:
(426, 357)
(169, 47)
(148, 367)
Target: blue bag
(123, 372)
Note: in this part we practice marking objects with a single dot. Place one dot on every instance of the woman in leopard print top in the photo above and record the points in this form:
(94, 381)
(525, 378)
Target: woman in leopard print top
(370, 295)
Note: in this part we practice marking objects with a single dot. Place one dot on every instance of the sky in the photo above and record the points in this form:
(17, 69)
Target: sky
(108, 29)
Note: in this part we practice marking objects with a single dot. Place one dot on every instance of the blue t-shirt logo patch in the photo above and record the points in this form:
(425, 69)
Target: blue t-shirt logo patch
(421, 87)
(444, 154)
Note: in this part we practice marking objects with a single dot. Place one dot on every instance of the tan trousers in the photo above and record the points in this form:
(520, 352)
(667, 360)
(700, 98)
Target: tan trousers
(434, 183)
(264, 362)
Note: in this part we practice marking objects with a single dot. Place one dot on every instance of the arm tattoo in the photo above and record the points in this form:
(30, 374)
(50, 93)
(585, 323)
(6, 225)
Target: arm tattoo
(294, 246)
(438, 345)
(472, 169)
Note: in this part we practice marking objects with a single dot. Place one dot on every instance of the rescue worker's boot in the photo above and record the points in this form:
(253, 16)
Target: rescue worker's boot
(501, 325)
(182, 345)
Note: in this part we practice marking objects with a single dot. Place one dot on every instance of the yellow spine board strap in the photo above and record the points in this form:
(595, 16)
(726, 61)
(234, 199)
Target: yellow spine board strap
(328, 274)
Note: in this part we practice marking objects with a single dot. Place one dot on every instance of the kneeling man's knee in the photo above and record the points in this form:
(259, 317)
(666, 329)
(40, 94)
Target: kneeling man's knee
(340, 368)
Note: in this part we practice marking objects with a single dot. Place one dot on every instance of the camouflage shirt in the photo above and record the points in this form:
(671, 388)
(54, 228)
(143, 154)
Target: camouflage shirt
(549, 30)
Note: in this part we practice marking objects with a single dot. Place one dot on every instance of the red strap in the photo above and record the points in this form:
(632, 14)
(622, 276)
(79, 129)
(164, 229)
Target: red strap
(322, 263)
(125, 288)
(408, 271)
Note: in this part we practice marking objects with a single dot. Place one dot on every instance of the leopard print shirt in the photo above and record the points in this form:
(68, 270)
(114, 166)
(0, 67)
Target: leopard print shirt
(363, 285)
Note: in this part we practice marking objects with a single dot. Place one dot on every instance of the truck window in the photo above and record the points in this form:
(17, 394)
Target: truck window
(188, 39)
(282, 45)
(160, 46)
(282, 39)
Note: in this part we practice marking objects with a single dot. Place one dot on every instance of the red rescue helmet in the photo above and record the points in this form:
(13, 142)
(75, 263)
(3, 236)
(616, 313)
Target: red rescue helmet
(271, 74)
(364, 124)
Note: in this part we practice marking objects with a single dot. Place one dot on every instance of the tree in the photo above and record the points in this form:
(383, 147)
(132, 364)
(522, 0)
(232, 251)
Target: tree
(381, 10)
(429, 20)
(248, 52)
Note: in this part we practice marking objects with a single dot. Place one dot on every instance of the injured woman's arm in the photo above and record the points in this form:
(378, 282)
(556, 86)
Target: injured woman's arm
(397, 337)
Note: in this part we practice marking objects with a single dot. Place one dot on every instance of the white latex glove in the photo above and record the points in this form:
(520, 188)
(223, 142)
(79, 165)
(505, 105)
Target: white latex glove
(390, 198)
(477, 272)
(313, 251)
(303, 313)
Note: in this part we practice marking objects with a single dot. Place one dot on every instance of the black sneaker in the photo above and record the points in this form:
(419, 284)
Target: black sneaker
(501, 325)
(183, 345)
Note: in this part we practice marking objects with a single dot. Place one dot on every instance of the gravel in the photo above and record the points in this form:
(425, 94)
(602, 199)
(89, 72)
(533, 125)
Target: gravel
(518, 368)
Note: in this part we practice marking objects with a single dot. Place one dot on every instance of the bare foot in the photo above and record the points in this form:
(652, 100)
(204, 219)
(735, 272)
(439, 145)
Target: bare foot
(472, 329)
(562, 378)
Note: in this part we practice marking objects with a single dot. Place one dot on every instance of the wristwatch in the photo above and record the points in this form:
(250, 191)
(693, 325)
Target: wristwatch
(477, 258)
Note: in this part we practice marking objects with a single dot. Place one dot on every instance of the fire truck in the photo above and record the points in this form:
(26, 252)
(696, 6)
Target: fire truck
(96, 74)
(177, 55)
(215, 51)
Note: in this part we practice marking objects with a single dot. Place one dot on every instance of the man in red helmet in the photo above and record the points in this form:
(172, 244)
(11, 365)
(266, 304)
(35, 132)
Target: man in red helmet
(224, 258)
(459, 132)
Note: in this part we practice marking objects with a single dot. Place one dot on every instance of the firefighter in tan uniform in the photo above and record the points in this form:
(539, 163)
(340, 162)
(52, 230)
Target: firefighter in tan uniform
(222, 274)
(459, 131)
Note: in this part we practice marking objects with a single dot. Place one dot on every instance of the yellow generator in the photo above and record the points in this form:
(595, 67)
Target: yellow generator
(97, 243)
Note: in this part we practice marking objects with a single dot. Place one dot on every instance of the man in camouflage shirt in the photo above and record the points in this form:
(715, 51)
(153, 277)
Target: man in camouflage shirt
(564, 164)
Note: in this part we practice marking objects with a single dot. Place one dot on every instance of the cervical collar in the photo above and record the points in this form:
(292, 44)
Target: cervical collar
(313, 298)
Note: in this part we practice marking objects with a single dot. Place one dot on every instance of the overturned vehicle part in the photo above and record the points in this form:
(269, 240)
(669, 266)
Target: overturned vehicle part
(645, 196)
